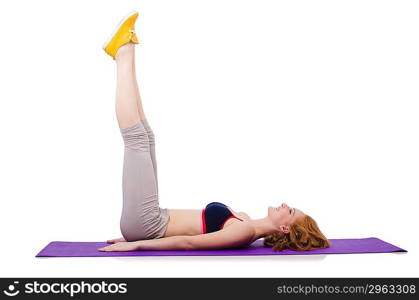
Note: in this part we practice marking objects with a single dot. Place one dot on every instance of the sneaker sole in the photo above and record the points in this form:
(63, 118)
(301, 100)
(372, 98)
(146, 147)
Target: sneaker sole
(117, 28)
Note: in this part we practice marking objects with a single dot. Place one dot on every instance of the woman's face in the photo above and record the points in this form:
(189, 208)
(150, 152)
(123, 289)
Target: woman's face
(283, 216)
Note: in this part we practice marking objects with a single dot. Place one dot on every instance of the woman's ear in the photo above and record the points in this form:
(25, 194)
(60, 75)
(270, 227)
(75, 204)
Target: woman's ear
(284, 229)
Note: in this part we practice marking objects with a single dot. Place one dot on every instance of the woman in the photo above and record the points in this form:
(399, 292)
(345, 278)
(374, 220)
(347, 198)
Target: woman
(146, 226)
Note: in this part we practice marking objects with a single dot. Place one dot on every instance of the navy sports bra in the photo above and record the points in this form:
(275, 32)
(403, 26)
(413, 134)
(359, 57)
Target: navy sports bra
(214, 216)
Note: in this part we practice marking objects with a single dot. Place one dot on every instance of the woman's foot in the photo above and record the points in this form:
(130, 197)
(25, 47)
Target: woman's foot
(124, 33)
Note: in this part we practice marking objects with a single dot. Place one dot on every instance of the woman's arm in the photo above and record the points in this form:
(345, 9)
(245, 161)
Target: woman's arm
(235, 235)
(169, 243)
(178, 242)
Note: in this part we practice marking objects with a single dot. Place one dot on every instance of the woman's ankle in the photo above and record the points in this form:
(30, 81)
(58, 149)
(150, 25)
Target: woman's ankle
(126, 49)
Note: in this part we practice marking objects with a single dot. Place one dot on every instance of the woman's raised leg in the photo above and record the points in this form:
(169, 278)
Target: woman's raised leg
(128, 112)
(150, 133)
(141, 218)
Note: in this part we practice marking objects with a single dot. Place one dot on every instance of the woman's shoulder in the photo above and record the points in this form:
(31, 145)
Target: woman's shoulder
(244, 230)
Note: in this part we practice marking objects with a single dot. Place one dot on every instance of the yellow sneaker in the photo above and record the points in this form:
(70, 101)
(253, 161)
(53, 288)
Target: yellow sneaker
(123, 33)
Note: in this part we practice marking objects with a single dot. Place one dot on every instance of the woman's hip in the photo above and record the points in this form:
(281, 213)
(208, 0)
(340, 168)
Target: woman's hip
(144, 224)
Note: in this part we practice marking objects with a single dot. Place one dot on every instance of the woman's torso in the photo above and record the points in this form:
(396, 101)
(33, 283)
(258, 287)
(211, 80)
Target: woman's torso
(189, 221)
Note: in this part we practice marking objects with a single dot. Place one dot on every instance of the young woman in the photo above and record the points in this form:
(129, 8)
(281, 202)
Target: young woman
(146, 226)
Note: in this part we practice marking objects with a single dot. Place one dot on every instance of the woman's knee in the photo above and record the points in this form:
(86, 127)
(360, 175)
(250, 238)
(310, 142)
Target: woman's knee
(136, 138)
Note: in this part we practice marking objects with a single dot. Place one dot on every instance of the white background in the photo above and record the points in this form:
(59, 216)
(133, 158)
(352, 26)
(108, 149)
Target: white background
(253, 103)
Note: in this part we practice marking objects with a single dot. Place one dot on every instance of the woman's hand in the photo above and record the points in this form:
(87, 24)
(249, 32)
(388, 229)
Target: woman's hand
(121, 246)
(116, 240)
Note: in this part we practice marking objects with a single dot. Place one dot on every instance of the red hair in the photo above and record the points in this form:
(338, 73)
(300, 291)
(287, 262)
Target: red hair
(304, 235)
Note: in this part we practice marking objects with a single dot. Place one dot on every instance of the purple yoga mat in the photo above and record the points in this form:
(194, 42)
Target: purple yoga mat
(338, 246)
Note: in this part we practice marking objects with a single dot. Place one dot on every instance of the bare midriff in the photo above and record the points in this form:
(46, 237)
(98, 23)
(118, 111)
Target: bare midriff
(189, 221)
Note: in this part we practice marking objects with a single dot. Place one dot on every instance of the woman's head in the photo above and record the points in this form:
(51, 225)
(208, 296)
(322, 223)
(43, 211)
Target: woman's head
(296, 230)
(283, 216)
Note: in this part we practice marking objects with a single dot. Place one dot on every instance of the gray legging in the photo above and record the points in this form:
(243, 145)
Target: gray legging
(142, 217)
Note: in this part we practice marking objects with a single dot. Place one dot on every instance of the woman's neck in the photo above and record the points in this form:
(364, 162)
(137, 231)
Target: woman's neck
(262, 227)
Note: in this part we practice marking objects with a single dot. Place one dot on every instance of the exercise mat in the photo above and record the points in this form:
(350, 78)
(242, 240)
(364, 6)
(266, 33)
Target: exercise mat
(337, 246)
